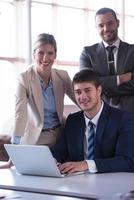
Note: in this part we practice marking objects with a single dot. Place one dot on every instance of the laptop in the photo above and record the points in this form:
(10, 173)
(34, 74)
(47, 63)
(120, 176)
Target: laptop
(34, 160)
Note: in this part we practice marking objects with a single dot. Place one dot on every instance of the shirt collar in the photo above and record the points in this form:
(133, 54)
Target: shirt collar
(96, 117)
(116, 43)
(42, 82)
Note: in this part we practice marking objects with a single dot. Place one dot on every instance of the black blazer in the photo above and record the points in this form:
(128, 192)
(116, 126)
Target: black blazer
(95, 57)
(114, 140)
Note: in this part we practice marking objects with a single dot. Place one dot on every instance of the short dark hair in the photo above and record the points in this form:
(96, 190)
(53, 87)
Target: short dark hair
(105, 11)
(45, 38)
(87, 75)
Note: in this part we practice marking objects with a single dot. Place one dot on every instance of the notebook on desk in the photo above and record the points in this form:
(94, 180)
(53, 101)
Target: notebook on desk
(33, 160)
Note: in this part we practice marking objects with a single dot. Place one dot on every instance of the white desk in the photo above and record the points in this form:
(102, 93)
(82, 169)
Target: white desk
(83, 186)
(14, 195)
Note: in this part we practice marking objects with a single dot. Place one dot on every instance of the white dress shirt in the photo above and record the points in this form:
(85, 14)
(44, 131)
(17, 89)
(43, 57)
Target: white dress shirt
(115, 52)
(91, 164)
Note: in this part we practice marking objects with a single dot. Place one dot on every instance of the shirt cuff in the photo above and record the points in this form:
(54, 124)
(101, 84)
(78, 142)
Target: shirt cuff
(15, 139)
(91, 166)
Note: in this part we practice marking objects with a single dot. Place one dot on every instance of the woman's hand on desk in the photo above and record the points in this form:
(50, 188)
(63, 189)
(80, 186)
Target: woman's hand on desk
(71, 167)
(5, 165)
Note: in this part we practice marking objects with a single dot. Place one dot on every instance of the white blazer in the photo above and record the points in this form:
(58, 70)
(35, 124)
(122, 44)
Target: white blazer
(29, 112)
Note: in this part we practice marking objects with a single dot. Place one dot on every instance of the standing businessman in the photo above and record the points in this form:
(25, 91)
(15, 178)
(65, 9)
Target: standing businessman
(118, 82)
(99, 138)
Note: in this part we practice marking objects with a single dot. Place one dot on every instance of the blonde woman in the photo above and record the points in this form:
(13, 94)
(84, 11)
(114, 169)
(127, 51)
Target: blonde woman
(40, 98)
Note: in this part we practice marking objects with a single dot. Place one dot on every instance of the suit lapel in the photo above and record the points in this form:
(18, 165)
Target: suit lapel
(101, 54)
(100, 129)
(37, 93)
(79, 134)
(122, 52)
(58, 93)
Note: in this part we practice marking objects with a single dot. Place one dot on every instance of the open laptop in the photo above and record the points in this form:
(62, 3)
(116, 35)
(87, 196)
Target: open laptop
(33, 160)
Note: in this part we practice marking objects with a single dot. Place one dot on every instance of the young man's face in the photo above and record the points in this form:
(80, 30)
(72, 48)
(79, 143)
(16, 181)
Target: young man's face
(107, 27)
(88, 97)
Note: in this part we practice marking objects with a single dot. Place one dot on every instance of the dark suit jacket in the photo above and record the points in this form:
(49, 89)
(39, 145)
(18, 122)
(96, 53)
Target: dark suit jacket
(95, 57)
(114, 140)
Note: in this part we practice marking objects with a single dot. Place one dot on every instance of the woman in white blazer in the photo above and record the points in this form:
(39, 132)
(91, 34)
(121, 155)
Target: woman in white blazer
(40, 97)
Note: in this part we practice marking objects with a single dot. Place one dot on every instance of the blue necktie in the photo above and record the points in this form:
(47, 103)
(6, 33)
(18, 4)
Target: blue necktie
(90, 155)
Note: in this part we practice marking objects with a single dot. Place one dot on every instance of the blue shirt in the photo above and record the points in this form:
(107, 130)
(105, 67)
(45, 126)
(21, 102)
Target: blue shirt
(50, 114)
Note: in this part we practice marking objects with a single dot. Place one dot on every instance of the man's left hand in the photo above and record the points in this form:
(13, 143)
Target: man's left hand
(70, 167)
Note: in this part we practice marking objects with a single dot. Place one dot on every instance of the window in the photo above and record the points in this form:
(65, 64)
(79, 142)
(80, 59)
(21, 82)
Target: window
(7, 31)
(70, 21)
(7, 89)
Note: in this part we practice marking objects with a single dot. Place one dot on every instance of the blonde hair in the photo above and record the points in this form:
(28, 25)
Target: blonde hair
(45, 38)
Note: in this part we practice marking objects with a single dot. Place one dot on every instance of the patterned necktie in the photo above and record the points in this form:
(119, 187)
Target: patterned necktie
(90, 155)
(111, 62)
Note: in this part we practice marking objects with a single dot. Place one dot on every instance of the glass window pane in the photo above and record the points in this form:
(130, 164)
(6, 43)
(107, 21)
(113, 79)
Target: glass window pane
(72, 3)
(41, 19)
(95, 4)
(114, 4)
(7, 89)
(70, 33)
(92, 32)
(7, 31)
(129, 35)
(129, 10)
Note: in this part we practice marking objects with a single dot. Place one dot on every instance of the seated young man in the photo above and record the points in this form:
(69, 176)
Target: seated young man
(99, 138)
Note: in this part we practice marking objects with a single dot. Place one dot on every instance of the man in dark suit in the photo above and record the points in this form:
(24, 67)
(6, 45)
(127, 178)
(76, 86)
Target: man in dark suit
(112, 131)
(118, 87)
